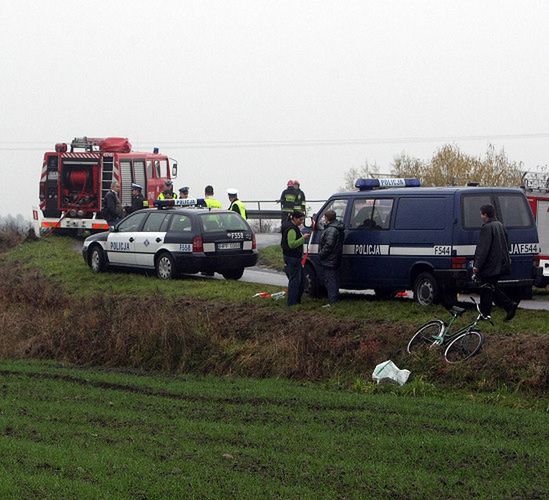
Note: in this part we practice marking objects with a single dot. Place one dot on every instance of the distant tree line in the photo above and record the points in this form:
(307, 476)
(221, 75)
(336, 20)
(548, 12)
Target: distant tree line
(449, 166)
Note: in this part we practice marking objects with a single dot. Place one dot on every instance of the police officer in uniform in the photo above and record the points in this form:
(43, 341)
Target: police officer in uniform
(112, 208)
(236, 205)
(138, 200)
(168, 193)
(287, 201)
(209, 199)
(183, 193)
(292, 247)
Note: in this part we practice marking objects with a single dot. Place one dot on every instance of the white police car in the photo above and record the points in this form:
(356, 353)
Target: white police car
(175, 241)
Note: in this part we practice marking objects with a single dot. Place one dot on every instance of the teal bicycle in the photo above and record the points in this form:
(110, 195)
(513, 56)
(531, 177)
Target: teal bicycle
(459, 345)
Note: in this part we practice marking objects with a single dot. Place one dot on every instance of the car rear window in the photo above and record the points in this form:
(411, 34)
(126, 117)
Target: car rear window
(231, 221)
(515, 211)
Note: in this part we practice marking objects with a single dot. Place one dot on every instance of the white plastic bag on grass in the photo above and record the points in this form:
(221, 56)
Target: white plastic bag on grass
(389, 372)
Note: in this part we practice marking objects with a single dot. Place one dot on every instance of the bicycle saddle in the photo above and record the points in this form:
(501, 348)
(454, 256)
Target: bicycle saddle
(458, 311)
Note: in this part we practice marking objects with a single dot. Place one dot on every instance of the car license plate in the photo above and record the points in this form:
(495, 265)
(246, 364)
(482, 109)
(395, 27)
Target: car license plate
(228, 246)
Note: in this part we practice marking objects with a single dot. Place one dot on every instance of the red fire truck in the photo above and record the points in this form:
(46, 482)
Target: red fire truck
(536, 186)
(73, 183)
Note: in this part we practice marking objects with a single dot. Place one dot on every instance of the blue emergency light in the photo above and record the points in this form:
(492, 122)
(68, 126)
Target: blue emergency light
(369, 184)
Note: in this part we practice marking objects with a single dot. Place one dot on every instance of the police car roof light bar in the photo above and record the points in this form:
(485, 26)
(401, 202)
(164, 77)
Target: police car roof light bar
(370, 184)
(180, 202)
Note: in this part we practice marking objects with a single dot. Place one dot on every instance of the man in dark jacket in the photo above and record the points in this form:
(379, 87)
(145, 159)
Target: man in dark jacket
(330, 249)
(292, 247)
(112, 208)
(287, 201)
(492, 260)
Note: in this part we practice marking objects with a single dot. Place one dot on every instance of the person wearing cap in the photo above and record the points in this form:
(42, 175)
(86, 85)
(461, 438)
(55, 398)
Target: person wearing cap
(236, 205)
(168, 193)
(287, 201)
(138, 200)
(209, 199)
(183, 193)
(300, 198)
(292, 248)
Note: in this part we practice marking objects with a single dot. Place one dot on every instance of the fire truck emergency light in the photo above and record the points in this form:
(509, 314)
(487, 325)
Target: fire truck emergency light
(369, 184)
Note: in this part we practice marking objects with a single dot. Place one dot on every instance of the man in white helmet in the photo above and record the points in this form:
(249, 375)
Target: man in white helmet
(235, 204)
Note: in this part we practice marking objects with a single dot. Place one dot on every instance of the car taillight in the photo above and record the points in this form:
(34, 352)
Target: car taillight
(198, 245)
(536, 261)
(459, 262)
(254, 244)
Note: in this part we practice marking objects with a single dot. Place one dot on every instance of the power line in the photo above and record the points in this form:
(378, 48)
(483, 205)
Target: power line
(21, 145)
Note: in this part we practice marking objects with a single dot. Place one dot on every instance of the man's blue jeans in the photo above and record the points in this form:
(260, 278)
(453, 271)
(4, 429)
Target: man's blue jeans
(296, 281)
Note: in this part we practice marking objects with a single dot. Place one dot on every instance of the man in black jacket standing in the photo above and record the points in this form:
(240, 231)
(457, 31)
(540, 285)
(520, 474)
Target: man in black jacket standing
(138, 200)
(492, 260)
(112, 208)
(330, 249)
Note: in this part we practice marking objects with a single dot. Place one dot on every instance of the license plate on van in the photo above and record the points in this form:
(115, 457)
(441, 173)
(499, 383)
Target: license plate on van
(228, 246)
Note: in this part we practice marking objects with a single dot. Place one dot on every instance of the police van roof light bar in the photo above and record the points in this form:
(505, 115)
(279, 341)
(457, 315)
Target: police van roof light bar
(370, 184)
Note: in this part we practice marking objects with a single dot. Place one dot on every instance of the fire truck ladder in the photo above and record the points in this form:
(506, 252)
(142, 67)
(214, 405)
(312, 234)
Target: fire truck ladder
(107, 176)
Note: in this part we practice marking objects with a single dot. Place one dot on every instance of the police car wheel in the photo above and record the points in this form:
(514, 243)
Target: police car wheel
(233, 274)
(97, 259)
(165, 267)
(426, 289)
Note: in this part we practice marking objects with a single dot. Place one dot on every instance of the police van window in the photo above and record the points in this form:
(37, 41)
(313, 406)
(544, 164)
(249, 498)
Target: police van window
(154, 222)
(338, 206)
(371, 213)
(470, 208)
(222, 222)
(514, 211)
(132, 223)
(421, 213)
(181, 223)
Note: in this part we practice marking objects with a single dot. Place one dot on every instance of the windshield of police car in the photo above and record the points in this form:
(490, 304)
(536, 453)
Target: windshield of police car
(212, 222)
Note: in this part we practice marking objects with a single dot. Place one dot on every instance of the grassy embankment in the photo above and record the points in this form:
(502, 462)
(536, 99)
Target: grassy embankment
(95, 434)
(65, 312)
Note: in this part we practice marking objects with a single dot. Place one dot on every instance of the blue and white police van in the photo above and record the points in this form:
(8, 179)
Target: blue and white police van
(400, 236)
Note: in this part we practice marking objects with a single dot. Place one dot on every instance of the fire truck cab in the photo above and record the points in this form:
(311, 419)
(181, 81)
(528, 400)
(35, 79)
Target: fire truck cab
(76, 177)
(536, 186)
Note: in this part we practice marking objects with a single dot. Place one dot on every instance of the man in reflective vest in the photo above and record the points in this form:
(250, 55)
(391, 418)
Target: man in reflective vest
(299, 198)
(292, 248)
(236, 205)
(209, 199)
(168, 193)
(287, 201)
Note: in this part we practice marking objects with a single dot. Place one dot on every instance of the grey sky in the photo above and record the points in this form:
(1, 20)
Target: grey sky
(255, 71)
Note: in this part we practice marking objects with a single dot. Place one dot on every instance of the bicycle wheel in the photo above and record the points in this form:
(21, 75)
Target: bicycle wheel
(425, 336)
(463, 347)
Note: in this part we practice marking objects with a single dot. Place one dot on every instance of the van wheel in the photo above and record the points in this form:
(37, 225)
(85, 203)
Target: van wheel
(165, 267)
(313, 287)
(233, 274)
(97, 262)
(426, 289)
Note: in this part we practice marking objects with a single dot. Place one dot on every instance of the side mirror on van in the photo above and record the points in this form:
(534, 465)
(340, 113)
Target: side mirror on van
(174, 170)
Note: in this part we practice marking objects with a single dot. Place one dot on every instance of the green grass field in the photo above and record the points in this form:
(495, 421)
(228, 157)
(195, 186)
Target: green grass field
(69, 433)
